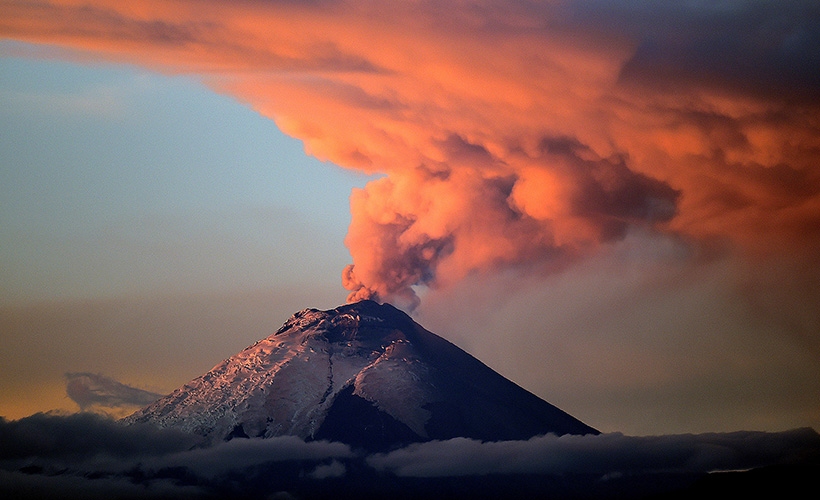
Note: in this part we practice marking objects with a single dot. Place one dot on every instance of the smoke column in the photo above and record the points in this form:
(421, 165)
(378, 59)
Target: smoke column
(478, 211)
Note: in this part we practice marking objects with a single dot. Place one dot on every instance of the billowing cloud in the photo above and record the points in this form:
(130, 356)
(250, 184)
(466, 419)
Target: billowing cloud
(511, 134)
(92, 391)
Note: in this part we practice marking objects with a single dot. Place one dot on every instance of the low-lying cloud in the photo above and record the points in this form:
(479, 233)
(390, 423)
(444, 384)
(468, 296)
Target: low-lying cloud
(240, 454)
(604, 454)
(94, 456)
(84, 435)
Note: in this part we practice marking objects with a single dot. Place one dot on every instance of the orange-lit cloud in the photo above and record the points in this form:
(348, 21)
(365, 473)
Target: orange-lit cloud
(510, 133)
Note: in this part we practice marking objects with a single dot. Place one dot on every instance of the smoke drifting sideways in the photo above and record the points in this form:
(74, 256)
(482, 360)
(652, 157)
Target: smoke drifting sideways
(94, 392)
(511, 135)
(89, 456)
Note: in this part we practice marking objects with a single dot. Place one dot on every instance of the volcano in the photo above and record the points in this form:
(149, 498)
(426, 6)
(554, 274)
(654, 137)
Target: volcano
(364, 374)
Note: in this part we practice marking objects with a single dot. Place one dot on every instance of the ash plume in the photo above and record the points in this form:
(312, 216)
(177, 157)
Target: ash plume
(510, 134)
(542, 208)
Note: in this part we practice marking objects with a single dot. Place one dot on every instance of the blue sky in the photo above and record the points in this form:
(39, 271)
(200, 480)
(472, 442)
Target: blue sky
(118, 181)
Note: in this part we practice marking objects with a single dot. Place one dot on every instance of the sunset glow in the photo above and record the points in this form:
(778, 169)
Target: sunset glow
(536, 138)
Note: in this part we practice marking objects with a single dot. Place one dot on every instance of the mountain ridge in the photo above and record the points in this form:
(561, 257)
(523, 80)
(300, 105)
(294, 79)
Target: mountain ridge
(365, 374)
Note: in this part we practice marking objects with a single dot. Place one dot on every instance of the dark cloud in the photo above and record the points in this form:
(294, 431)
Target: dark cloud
(88, 456)
(761, 48)
(34, 485)
(92, 390)
(603, 454)
(241, 454)
(83, 435)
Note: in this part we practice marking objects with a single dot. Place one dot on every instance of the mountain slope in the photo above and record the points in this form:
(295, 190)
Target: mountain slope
(365, 374)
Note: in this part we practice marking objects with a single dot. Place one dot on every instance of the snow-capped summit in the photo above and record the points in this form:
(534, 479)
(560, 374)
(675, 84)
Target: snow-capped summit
(364, 374)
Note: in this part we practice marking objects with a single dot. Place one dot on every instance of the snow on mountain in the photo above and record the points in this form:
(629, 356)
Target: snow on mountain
(365, 374)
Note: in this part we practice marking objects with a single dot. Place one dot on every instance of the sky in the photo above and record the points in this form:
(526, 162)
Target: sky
(614, 204)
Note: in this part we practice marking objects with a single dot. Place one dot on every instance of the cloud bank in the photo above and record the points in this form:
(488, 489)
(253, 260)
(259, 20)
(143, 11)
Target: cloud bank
(511, 134)
(89, 456)
(605, 454)
(84, 435)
